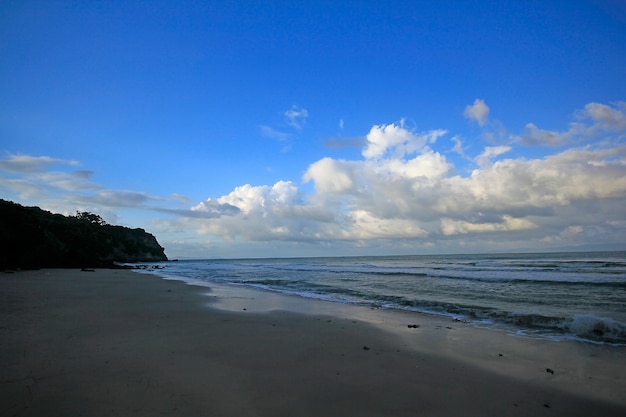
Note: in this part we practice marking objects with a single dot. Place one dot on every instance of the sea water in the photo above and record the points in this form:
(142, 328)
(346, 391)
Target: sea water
(555, 295)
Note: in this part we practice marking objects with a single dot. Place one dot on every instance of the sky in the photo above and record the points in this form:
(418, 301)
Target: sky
(233, 129)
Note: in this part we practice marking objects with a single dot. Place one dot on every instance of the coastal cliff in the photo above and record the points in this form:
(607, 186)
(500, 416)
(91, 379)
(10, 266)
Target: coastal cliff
(34, 238)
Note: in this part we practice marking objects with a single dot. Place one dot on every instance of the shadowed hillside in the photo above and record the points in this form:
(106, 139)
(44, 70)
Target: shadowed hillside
(34, 238)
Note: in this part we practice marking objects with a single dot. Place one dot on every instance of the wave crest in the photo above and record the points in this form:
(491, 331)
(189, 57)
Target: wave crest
(602, 329)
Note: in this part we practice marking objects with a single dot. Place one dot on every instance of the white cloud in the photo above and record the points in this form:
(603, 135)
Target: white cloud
(571, 231)
(558, 180)
(30, 164)
(33, 177)
(213, 208)
(271, 133)
(72, 181)
(394, 137)
(400, 192)
(403, 189)
(247, 198)
(331, 176)
(261, 212)
(507, 223)
(479, 112)
(427, 165)
(490, 152)
(593, 120)
(606, 117)
(24, 189)
(535, 136)
(296, 117)
(458, 146)
(182, 199)
(367, 225)
(568, 234)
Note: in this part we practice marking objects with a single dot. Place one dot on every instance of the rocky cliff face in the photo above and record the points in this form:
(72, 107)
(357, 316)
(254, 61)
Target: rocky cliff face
(34, 238)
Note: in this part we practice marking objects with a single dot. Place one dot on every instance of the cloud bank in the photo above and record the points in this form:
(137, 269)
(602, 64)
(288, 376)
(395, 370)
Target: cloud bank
(404, 189)
(54, 184)
(409, 191)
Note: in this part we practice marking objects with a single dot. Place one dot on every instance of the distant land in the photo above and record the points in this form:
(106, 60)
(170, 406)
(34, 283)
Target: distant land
(33, 238)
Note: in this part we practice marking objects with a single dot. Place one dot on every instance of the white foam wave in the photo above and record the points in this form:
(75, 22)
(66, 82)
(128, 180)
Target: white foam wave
(592, 327)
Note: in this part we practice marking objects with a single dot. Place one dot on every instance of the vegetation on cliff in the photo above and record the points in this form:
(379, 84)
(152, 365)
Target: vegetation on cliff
(34, 238)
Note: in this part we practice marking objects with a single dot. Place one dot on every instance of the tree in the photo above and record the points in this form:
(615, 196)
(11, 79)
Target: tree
(90, 217)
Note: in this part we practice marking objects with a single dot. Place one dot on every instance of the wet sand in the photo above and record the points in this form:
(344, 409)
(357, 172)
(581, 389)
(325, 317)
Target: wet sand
(114, 342)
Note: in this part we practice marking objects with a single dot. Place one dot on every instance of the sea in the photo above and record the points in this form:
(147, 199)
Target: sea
(573, 295)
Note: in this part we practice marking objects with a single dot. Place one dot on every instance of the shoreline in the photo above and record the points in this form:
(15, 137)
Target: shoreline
(484, 347)
(562, 296)
(226, 302)
(110, 342)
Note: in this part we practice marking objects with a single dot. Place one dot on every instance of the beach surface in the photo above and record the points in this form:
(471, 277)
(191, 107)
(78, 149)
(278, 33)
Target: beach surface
(115, 342)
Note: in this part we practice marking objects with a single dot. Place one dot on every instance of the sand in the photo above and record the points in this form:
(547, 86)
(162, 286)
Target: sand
(115, 342)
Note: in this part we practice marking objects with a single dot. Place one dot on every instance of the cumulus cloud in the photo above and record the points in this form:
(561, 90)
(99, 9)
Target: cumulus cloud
(479, 112)
(404, 189)
(366, 225)
(256, 212)
(394, 137)
(213, 208)
(489, 153)
(556, 181)
(247, 198)
(331, 176)
(506, 223)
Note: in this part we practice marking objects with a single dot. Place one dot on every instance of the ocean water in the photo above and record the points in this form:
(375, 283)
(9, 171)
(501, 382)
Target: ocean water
(549, 295)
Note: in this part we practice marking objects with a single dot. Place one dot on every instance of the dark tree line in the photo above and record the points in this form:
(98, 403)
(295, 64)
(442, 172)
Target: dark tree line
(34, 238)
(90, 217)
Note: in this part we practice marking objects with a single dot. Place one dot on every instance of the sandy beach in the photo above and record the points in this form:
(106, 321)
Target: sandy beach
(115, 342)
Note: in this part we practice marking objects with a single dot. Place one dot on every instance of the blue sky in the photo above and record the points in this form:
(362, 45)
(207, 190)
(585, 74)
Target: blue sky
(249, 128)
